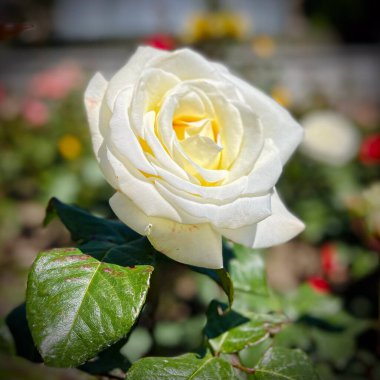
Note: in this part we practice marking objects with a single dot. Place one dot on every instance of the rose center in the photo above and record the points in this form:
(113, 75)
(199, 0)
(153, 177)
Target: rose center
(199, 138)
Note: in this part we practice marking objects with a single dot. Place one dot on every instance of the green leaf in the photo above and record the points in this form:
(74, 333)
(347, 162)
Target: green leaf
(248, 271)
(220, 320)
(306, 301)
(85, 227)
(77, 305)
(108, 360)
(335, 348)
(106, 240)
(221, 276)
(232, 332)
(184, 367)
(136, 252)
(280, 363)
(7, 344)
(18, 327)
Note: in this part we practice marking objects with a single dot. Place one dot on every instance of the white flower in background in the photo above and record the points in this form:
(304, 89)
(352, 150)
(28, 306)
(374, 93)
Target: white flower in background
(193, 153)
(329, 138)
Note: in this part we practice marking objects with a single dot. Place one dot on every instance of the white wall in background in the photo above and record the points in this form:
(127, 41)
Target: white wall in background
(94, 19)
(102, 19)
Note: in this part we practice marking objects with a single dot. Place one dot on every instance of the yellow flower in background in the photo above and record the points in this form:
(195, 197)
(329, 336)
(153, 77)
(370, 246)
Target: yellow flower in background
(212, 25)
(69, 147)
(264, 46)
(282, 95)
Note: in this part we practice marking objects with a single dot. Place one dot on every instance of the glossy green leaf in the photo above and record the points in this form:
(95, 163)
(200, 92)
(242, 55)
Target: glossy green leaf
(221, 276)
(220, 319)
(248, 271)
(22, 339)
(77, 305)
(256, 330)
(184, 367)
(135, 252)
(107, 360)
(280, 363)
(7, 344)
(85, 227)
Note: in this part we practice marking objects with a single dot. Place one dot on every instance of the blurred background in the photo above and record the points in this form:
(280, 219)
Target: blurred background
(318, 58)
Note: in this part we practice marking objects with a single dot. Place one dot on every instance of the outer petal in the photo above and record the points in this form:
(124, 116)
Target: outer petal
(278, 228)
(123, 138)
(190, 244)
(186, 64)
(96, 114)
(131, 71)
(278, 124)
(93, 98)
(134, 185)
(235, 214)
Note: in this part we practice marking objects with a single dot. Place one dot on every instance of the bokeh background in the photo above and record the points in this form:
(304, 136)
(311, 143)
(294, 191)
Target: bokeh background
(318, 58)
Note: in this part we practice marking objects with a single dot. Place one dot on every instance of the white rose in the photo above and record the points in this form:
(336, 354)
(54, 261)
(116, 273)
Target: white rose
(329, 138)
(193, 153)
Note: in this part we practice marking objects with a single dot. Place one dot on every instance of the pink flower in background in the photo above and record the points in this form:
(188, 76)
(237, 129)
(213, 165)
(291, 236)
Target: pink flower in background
(35, 112)
(56, 83)
(161, 41)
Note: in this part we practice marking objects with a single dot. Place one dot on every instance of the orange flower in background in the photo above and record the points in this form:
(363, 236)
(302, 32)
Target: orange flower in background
(69, 147)
(35, 112)
(370, 150)
(282, 96)
(264, 46)
(56, 83)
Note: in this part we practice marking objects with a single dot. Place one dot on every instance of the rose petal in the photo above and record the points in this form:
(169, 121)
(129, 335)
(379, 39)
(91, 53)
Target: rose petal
(186, 65)
(251, 146)
(148, 95)
(140, 190)
(122, 137)
(278, 124)
(278, 228)
(234, 214)
(203, 151)
(93, 97)
(131, 71)
(197, 245)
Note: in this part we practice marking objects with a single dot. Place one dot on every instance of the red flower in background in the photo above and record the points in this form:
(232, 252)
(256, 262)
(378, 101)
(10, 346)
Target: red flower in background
(328, 259)
(161, 41)
(370, 150)
(319, 284)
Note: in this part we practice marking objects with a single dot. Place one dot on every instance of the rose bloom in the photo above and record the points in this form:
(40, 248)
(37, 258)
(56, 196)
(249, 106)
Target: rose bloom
(330, 138)
(193, 153)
